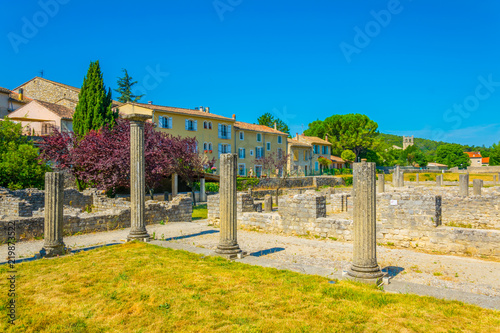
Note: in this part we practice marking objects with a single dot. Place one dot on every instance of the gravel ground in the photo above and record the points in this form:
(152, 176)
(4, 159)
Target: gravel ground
(450, 272)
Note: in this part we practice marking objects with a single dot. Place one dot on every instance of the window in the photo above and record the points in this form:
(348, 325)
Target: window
(268, 146)
(258, 171)
(164, 122)
(210, 146)
(280, 139)
(224, 149)
(207, 125)
(259, 152)
(259, 137)
(241, 153)
(205, 146)
(241, 169)
(191, 125)
(224, 131)
(251, 152)
(316, 166)
(242, 135)
(280, 153)
(316, 149)
(295, 155)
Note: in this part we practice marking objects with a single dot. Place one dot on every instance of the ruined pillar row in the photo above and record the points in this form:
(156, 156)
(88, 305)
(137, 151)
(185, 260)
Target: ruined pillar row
(463, 185)
(477, 185)
(137, 178)
(364, 266)
(228, 244)
(53, 223)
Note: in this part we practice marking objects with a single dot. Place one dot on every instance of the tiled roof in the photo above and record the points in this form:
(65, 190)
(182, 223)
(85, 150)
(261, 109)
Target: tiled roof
(60, 110)
(15, 97)
(256, 128)
(473, 154)
(486, 160)
(337, 159)
(315, 140)
(181, 111)
(295, 143)
(437, 164)
(5, 90)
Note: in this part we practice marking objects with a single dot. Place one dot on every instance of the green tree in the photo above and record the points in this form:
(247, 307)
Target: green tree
(94, 108)
(125, 85)
(348, 155)
(268, 120)
(355, 132)
(412, 155)
(452, 155)
(19, 163)
(495, 154)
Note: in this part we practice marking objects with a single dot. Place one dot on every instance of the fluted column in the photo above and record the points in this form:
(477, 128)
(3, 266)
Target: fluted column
(228, 244)
(364, 266)
(175, 185)
(463, 185)
(53, 224)
(137, 178)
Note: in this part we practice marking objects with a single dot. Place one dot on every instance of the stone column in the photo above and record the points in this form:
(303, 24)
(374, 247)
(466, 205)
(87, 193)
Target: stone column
(53, 224)
(228, 244)
(175, 185)
(268, 203)
(395, 177)
(417, 178)
(364, 267)
(137, 177)
(498, 177)
(203, 194)
(477, 185)
(494, 179)
(463, 185)
(381, 183)
(439, 180)
(401, 181)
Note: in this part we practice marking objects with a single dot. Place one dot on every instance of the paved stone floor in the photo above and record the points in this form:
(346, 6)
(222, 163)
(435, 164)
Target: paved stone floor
(452, 277)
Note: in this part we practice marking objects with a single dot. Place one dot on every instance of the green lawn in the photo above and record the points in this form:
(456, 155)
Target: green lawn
(138, 287)
(200, 212)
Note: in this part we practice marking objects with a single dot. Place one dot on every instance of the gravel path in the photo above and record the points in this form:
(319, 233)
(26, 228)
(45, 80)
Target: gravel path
(449, 272)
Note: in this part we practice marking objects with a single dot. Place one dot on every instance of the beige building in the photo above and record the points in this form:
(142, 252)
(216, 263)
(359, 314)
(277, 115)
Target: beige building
(320, 148)
(10, 101)
(40, 118)
(300, 157)
(254, 142)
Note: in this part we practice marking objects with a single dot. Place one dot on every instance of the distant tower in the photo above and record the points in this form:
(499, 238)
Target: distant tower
(407, 141)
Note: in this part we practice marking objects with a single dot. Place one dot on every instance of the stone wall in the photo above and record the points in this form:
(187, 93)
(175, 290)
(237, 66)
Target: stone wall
(292, 182)
(485, 169)
(178, 210)
(47, 91)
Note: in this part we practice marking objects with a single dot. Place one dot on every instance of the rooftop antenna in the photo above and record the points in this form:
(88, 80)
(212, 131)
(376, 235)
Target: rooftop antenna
(41, 73)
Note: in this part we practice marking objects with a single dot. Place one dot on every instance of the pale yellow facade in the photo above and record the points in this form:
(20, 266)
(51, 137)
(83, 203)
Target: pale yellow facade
(300, 158)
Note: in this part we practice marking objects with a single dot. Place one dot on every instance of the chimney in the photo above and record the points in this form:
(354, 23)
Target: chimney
(21, 94)
(234, 116)
(207, 110)
(297, 136)
(275, 127)
(200, 108)
(326, 137)
(150, 102)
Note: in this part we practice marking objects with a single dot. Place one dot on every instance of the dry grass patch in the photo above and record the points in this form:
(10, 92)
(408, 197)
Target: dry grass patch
(145, 288)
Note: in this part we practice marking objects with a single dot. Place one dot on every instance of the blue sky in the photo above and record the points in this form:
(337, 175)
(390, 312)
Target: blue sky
(424, 68)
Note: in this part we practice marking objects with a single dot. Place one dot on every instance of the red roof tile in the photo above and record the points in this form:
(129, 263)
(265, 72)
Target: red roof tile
(473, 154)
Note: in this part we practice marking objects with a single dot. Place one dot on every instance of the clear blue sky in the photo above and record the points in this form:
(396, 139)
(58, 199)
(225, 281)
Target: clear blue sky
(301, 60)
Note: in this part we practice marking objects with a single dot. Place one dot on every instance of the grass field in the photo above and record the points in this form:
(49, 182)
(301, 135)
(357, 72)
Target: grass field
(200, 212)
(138, 287)
(447, 177)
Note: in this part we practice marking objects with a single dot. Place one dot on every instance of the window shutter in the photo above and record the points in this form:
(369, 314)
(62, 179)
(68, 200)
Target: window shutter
(220, 149)
(187, 124)
(243, 152)
(229, 149)
(229, 131)
(220, 132)
(196, 125)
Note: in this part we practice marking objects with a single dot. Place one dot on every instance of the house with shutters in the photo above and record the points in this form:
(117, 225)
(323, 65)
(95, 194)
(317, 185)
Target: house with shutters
(320, 148)
(214, 134)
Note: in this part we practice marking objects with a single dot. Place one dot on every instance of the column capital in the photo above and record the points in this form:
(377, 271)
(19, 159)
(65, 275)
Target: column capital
(137, 117)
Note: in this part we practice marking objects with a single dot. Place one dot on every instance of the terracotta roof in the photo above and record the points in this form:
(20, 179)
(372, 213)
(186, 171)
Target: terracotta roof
(315, 140)
(437, 164)
(295, 143)
(5, 90)
(181, 111)
(486, 160)
(15, 98)
(54, 82)
(473, 154)
(337, 159)
(256, 128)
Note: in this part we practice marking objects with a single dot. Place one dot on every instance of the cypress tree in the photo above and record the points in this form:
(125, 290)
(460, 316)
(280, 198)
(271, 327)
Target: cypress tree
(94, 108)
(125, 85)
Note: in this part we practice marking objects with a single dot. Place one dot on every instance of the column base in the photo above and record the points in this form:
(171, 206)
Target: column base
(141, 236)
(53, 251)
(229, 251)
(370, 275)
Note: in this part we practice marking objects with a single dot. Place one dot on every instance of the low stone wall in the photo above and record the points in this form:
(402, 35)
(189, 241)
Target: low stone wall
(476, 212)
(292, 182)
(485, 169)
(178, 210)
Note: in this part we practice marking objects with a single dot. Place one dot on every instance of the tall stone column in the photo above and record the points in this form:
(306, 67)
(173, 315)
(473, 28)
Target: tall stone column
(364, 266)
(228, 244)
(401, 179)
(417, 178)
(137, 177)
(498, 177)
(53, 224)
(381, 183)
(477, 185)
(439, 180)
(463, 185)
(175, 185)
(395, 176)
(203, 194)
(268, 203)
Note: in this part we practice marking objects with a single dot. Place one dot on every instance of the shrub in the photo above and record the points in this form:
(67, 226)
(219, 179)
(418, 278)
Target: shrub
(212, 187)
